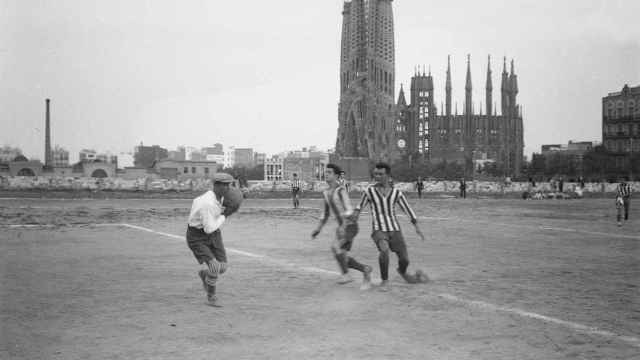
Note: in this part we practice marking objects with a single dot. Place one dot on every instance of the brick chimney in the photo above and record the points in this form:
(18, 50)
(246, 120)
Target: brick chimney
(48, 155)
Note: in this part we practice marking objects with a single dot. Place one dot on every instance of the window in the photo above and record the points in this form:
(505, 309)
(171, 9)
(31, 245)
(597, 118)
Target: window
(193, 170)
(206, 170)
(186, 170)
(620, 109)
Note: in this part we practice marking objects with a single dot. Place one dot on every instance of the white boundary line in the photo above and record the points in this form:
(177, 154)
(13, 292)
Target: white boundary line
(27, 226)
(589, 330)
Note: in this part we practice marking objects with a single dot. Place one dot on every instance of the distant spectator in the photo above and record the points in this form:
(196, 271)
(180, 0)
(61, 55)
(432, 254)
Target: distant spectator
(419, 187)
(581, 181)
(342, 181)
(463, 188)
(561, 185)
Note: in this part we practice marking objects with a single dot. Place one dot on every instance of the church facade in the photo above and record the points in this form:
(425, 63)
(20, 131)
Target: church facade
(470, 137)
(373, 126)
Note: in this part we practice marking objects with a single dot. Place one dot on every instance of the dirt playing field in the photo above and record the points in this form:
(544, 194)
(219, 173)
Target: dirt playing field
(511, 279)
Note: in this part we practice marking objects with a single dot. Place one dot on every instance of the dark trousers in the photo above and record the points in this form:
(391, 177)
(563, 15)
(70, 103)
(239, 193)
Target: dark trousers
(463, 193)
(627, 204)
(395, 242)
(420, 193)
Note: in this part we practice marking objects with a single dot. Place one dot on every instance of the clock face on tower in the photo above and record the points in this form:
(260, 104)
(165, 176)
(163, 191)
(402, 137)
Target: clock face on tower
(402, 143)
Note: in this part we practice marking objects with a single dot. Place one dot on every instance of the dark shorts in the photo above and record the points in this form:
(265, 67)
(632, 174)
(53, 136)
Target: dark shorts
(345, 234)
(295, 191)
(205, 246)
(394, 239)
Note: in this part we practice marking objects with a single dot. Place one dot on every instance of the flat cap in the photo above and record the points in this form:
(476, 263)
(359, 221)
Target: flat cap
(222, 178)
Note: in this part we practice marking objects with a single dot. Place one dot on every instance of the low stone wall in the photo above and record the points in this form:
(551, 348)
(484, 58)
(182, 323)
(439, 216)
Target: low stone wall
(149, 184)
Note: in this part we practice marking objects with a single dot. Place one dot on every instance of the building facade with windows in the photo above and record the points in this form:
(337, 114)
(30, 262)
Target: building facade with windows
(60, 157)
(145, 156)
(621, 124)
(244, 157)
(187, 169)
(273, 169)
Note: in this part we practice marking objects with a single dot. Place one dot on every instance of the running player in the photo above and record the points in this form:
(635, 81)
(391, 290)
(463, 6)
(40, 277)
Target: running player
(336, 201)
(295, 190)
(387, 235)
(204, 237)
(623, 200)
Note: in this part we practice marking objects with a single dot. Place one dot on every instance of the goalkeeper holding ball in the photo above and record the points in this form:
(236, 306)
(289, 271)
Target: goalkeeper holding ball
(208, 212)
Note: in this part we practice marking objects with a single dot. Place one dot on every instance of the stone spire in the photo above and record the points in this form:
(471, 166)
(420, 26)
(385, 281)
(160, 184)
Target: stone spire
(513, 85)
(489, 87)
(505, 88)
(448, 86)
(401, 99)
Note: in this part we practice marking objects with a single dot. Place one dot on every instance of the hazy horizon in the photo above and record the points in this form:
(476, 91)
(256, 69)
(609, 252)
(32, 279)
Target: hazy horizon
(266, 74)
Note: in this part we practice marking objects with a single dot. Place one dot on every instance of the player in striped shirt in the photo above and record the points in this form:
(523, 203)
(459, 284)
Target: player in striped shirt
(387, 235)
(296, 185)
(623, 201)
(336, 201)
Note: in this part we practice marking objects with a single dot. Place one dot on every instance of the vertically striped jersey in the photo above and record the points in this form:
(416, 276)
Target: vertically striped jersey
(383, 211)
(296, 184)
(624, 190)
(337, 201)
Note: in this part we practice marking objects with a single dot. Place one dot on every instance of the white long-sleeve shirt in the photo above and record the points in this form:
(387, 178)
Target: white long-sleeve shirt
(206, 213)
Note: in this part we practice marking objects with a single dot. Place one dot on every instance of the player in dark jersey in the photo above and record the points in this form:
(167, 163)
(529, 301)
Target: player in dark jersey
(387, 235)
(336, 201)
(296, 185)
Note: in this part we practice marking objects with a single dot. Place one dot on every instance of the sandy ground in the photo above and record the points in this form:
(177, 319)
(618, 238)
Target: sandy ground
(72, 290)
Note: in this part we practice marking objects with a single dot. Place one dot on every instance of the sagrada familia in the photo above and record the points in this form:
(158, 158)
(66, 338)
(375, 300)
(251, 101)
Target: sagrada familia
(373, 125)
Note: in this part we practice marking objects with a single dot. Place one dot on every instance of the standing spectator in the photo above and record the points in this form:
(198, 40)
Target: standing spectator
(561, 185)
(623, 200)
(463, 188)
(419, 187)
(343, 182)
(296, 186)
(581, 180)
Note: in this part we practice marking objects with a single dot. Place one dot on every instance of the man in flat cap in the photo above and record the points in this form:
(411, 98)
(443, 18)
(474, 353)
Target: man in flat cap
(204, 237)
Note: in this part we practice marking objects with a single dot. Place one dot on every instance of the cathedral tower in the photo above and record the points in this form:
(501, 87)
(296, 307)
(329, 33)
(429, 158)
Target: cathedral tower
(366, 111)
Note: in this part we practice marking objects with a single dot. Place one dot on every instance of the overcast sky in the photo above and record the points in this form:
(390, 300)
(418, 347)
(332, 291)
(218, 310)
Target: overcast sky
(264, 74)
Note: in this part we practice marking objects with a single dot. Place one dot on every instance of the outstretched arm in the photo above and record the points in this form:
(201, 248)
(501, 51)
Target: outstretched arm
(404, 205)
(323, 221)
